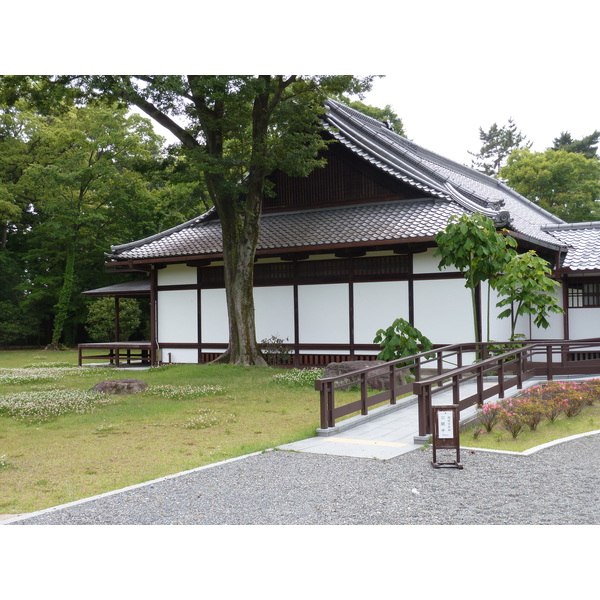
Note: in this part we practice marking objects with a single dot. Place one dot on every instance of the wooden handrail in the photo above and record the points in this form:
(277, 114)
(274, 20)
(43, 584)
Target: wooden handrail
(510, 369)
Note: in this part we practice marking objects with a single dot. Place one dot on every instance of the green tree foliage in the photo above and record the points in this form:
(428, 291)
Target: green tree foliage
(472, 244)
(100, 322)
(498, 144)
(80, 180)
(401, 339)
(586, 145)
(385, 114)
(528, 289)
(236, 130)
(565, 183)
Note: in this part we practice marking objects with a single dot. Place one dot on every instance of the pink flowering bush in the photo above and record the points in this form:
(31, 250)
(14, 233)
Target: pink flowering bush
(530, 411)
(544, 401)
(511, 421)
(488, 415)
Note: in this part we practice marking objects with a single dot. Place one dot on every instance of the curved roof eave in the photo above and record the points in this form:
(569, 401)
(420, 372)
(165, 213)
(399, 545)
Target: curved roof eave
(152, 238)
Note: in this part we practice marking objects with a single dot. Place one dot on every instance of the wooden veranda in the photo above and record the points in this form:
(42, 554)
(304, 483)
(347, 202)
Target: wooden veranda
(446, 368)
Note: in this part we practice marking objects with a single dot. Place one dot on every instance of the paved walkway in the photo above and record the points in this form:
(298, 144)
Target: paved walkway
(386, 432)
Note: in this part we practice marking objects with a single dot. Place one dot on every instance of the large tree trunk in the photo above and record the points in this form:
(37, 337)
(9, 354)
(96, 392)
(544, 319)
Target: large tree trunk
(240, 237)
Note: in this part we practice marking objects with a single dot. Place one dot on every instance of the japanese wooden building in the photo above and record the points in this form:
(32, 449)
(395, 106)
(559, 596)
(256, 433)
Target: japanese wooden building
(348, 249)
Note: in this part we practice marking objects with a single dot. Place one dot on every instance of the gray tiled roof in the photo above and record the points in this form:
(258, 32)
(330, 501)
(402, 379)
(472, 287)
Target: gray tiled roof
(583, 240)
(381, 222)
(445, 188)
(411, 163)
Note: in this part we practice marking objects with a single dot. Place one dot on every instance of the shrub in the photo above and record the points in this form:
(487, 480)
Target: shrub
(276, 350)
(530, 411)
(576, 399)
(488, 415)
(511, 421)
(401, 339)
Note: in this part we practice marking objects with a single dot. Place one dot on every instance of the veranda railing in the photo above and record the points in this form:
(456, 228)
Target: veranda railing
(449, 366)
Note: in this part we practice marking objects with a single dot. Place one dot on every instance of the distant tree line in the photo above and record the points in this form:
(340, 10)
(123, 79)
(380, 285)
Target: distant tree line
(563, 179)
(72, 183)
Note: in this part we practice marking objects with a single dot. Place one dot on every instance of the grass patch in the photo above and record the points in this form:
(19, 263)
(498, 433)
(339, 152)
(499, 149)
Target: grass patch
(190, 416)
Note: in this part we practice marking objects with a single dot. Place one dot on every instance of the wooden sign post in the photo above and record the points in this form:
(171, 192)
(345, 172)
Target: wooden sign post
(445, 433)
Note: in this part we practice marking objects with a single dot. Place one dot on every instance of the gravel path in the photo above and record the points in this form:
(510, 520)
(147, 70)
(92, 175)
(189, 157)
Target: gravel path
(557, 485)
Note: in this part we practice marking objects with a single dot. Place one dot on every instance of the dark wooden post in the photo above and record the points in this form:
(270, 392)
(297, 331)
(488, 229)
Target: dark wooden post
(363, 394)
(392, 386)
(117, 324)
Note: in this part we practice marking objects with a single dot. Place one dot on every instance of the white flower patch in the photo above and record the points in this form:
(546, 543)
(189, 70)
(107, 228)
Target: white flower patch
(298, 377)
(41, 373)
(186, 392)
(41, 406)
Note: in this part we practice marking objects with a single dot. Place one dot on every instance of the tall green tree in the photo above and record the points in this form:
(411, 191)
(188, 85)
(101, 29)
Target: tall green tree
(498, 144)
(237, 130)
(80, 191)
(528, 289)
(586, 145)
(472, 244)
(565, 183)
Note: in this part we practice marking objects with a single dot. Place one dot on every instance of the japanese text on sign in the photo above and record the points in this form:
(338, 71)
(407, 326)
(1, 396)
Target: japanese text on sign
(445, 424)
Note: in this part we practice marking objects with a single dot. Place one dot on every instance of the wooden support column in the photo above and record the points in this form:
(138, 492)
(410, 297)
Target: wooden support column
(117, 324)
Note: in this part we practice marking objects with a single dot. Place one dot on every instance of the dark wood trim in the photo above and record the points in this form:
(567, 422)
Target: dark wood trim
(296, 325)
(117, 319)
(565, 298)
(199, 317)
(411, 290)
(153, 318)
(351, 317)
(177, 288)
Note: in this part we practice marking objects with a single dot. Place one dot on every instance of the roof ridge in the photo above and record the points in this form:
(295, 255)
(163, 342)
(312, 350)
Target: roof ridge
(572, 226)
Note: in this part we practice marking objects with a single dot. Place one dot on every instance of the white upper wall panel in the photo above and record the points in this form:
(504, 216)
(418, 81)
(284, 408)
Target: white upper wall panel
(214, 322)
(177, 275)
(177, 316)
(376, 306)
(274, 312)
(443, 310)
(323, 314)
(425, 262)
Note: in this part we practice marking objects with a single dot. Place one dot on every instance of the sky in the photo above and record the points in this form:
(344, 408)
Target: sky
(450, 68)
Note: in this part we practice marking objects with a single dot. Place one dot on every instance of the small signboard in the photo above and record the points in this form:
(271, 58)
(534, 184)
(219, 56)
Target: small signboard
(445, 433)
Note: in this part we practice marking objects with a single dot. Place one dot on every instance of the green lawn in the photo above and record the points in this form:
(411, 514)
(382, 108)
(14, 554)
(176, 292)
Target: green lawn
(190, 416)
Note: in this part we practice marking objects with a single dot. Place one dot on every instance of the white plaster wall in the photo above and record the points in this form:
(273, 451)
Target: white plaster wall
(584, 323)
(424, 262)
(443, 310)
(177, 316)
(177, 275)
(499, 328)
(213, 321)
(274, 312)
(323, 314)
(376, 306)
